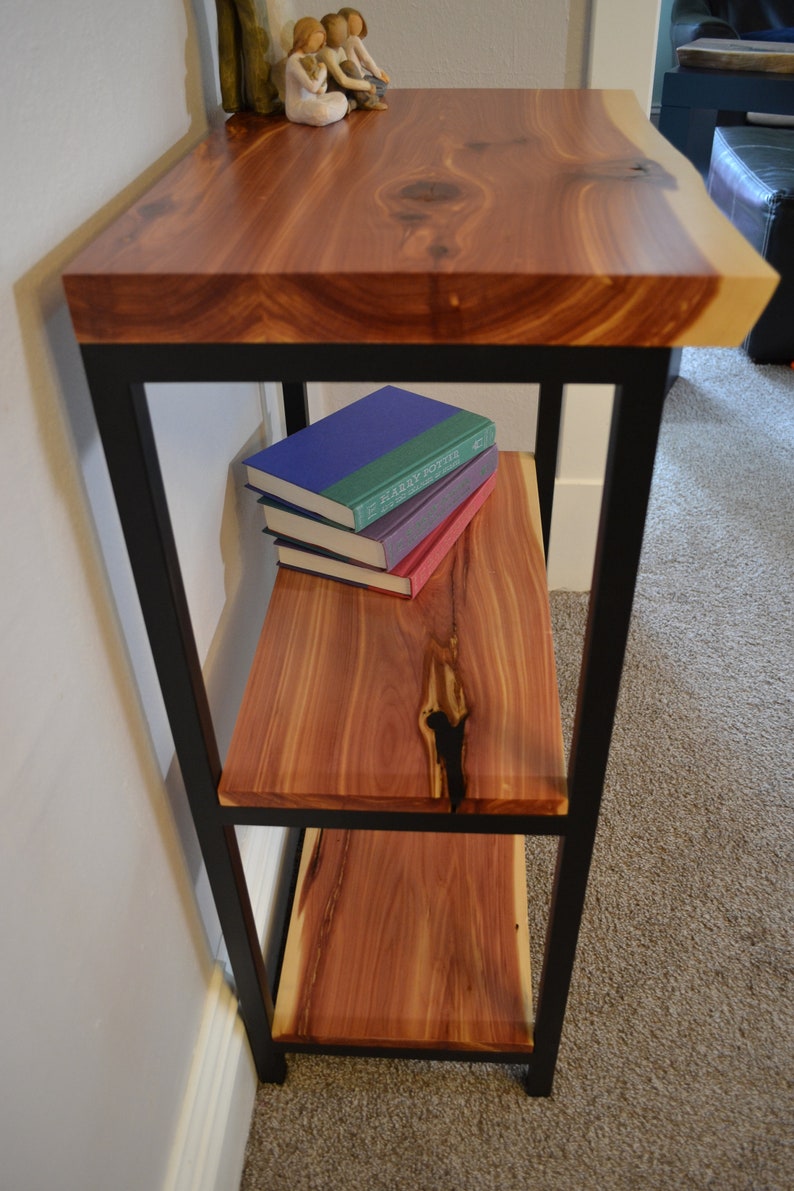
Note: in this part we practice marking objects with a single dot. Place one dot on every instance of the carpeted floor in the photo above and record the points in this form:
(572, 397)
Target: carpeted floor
(677, 1057)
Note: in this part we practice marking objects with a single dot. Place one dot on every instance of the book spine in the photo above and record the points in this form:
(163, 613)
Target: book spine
(452, 492)
(394, 493)
(455, 528)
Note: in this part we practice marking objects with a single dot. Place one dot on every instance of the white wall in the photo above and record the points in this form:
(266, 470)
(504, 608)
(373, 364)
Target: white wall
(446, 44)
(665, 54)
(623, 46)
(107, 957)
(453, 44)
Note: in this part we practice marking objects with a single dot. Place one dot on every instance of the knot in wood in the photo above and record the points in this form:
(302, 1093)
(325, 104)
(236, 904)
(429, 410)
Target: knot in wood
(430, 192)
(442, 722)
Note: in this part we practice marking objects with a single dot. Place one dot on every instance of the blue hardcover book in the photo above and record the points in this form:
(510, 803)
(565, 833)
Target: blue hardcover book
(360, 462)
(383, 543)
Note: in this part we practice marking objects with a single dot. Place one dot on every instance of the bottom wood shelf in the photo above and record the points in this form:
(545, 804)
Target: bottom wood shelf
(408, 940)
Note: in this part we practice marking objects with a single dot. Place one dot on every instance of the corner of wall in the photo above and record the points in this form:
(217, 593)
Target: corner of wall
(574, 528)
(209, 1144)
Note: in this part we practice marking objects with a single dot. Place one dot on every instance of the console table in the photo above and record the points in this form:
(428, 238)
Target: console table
(494, 235)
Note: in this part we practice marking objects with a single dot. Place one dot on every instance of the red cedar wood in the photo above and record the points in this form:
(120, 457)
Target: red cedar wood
(401, 939)
(343, 680)
(458, 216)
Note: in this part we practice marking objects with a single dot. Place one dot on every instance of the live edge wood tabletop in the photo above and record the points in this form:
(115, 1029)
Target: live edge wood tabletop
(575, 219)
(458, 230)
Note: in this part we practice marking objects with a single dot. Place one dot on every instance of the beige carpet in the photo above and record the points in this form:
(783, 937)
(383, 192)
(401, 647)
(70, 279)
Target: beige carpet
(676, 1063)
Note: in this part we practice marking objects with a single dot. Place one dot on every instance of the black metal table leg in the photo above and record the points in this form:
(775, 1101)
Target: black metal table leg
(126, 432)
(547, 437)
(674, 123)
(296, 405)
(636, 420)
(116, 383)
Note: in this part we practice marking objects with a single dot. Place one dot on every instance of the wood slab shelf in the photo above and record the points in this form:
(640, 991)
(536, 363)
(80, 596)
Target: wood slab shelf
(721, 53)
(416, 941)
(363, 702)
(479, 217)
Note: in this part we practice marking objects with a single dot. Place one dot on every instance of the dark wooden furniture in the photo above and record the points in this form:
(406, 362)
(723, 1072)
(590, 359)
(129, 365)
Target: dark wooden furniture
(547, 236)
(692, 100)
(751, 179)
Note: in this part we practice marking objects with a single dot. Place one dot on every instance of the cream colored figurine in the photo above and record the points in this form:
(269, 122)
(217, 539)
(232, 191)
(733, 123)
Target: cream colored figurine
(307, 99)
(356, 51)
(343, 73)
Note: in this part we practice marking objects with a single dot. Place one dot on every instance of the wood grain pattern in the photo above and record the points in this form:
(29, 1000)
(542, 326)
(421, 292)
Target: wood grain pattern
(360, 701)
(718, 53)
(401, 939)
(502, 217)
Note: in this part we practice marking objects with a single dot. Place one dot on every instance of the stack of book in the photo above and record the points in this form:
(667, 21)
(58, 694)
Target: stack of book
(377, 493)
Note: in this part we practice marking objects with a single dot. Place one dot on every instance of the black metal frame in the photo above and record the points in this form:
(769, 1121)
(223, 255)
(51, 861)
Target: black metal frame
(116, 377)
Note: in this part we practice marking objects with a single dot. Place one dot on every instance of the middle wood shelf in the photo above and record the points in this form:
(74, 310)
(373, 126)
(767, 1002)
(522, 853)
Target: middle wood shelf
(362, 702)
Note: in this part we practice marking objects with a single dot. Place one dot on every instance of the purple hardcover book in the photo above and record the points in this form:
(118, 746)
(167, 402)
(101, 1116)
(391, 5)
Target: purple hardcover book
(386, 541)
(411, 573)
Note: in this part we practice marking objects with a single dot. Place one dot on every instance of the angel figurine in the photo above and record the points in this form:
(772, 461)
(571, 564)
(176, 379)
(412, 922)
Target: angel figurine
(356, 51)
(343, 73)
(307, 99)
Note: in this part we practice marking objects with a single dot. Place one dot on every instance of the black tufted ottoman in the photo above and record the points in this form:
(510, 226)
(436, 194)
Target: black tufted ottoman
(751, 179)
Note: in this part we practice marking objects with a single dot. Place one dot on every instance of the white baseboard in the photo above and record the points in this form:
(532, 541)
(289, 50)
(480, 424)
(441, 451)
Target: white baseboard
(209, 1144)
(574, 528)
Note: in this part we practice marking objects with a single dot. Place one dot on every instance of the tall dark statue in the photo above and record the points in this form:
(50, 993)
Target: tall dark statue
(242, 59)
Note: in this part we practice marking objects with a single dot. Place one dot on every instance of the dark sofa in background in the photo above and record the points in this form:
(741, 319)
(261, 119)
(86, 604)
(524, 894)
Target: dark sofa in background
(692, 19)
(751, 174)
